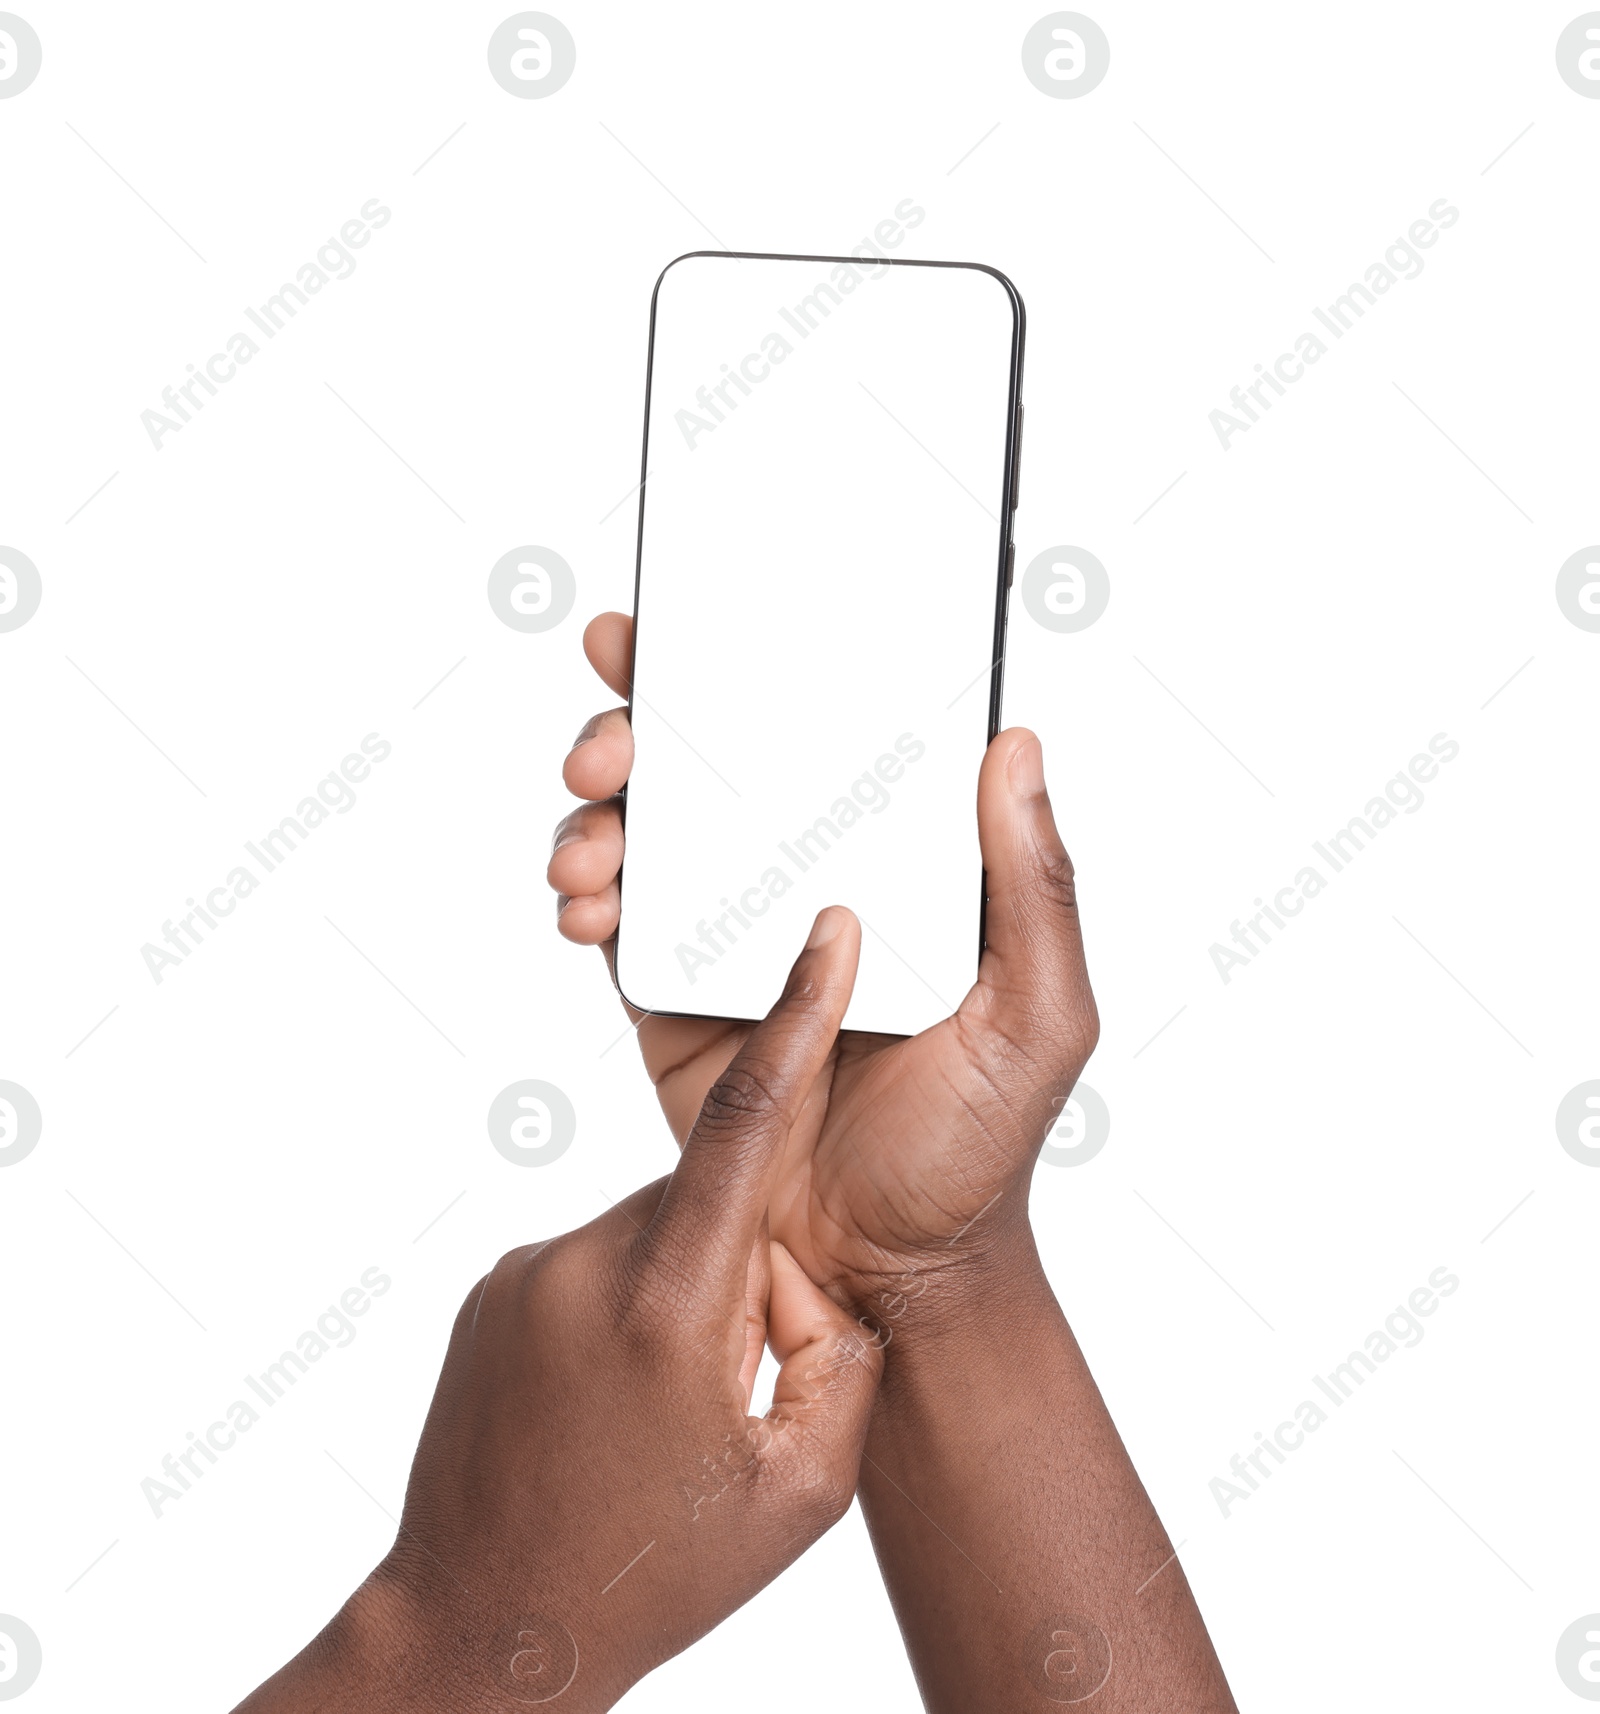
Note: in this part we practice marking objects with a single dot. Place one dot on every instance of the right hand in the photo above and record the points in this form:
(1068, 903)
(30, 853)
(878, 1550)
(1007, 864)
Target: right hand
(902, 1143)
(589, 1495)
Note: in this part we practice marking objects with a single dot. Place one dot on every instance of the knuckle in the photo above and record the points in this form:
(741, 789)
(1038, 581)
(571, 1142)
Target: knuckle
(1057, 879)
(563, 1272)
(1059, 1005)
(506, 1272)
(499, 1289)
(519, 1261)
(744, 1093)
(521, 1270)
(467, 1314)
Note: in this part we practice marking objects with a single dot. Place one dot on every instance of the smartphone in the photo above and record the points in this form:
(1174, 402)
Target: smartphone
(824, 554)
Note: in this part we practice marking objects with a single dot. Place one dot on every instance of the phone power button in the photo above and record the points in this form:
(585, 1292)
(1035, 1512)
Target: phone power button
(1011, 561)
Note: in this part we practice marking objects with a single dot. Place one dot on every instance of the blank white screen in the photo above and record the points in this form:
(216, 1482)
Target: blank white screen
(815, 633)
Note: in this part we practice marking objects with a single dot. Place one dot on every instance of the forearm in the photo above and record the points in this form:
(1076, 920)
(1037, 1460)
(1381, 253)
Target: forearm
(1019, 1547)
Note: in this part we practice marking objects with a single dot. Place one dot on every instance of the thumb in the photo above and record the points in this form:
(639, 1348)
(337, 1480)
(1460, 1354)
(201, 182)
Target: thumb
(716, 1200)
(821, 1399)
(1033, 982)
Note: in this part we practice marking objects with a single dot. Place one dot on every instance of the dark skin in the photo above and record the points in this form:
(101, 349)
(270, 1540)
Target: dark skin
(590, 1494)
(998, 1492)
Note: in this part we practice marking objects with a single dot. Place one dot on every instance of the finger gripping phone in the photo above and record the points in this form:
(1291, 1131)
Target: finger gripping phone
(824, 551)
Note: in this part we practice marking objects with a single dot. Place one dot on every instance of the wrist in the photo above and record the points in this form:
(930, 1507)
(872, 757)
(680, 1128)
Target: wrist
(372, 1650)
(953, 1295)
(401, 1643)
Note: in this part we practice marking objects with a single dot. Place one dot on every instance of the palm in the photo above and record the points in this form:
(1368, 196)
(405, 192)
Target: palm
(875, 1171)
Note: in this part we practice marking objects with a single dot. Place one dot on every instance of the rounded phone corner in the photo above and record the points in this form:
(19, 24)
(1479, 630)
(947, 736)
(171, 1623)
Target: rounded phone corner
(617, 978)
(1019, 310)
(687, 256)
(635, 1005)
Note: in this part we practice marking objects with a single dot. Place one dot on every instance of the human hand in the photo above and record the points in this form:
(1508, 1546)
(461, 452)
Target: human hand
(902, 1143)
(589, 1495)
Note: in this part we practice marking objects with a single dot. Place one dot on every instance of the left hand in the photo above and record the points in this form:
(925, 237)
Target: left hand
(910, 1154)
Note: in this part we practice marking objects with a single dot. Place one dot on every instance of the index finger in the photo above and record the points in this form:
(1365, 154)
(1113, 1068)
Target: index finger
(716, 1199)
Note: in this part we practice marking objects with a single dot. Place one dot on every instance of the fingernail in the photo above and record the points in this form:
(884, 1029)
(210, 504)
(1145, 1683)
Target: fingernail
(1027, 769)
(827, 925)
(562, 901)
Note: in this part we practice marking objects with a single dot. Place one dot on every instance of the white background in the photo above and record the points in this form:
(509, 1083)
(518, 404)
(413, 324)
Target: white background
(273, 1118)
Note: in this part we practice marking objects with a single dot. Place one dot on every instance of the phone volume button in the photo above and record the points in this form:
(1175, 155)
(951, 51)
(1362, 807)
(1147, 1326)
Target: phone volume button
(1016, 461)
(1011, 561)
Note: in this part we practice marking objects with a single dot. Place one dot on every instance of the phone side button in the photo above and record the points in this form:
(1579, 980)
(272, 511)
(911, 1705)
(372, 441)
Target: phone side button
(1011, 561)
(1016, 461)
